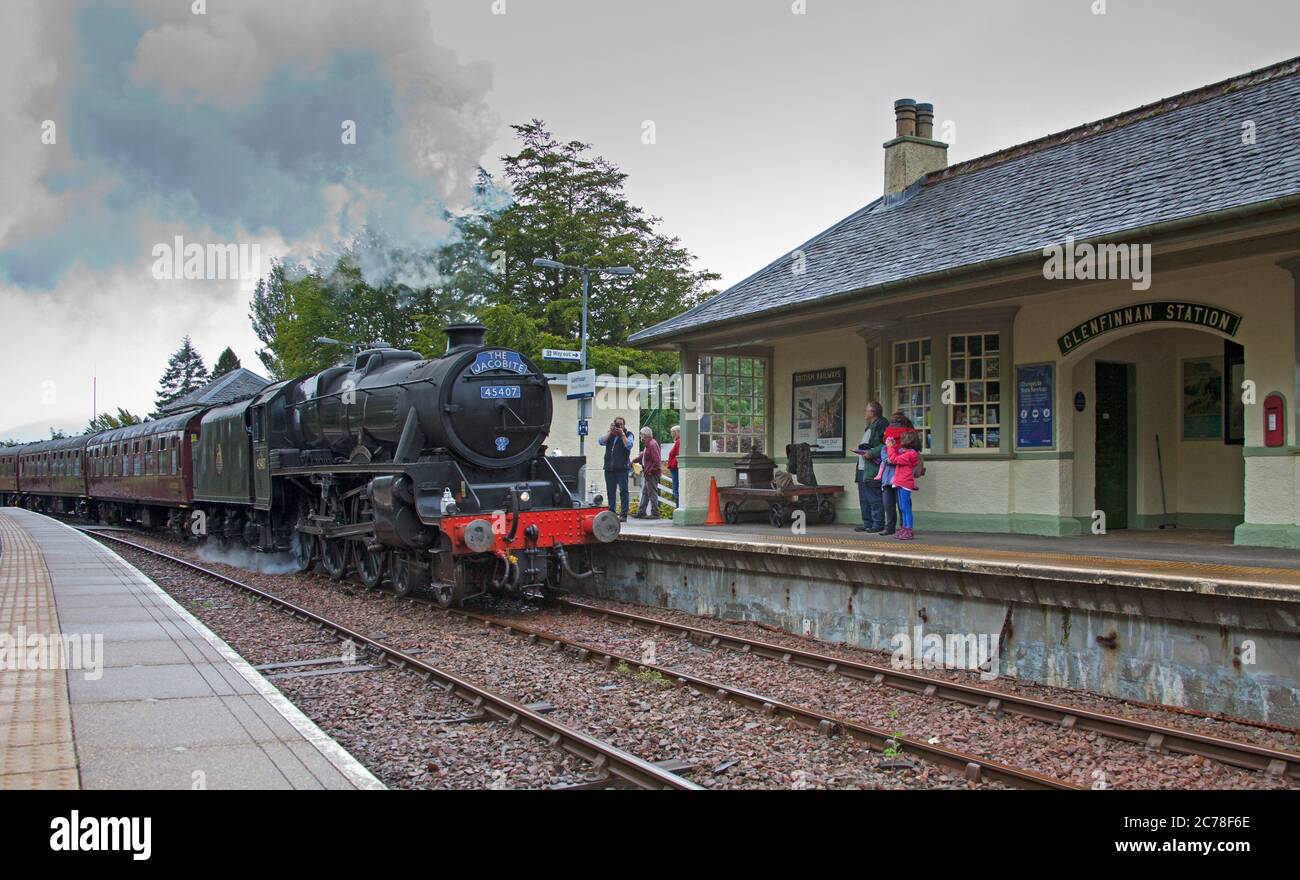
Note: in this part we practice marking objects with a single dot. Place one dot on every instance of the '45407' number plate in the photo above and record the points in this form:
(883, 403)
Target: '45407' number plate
(499, 391)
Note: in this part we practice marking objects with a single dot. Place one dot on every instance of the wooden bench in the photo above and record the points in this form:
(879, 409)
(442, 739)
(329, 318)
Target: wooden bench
(816, 501)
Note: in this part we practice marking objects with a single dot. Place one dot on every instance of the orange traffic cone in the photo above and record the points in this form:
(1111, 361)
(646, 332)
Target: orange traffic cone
(715, 515)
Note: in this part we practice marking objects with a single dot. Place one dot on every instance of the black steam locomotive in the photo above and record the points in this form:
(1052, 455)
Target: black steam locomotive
(430, 473)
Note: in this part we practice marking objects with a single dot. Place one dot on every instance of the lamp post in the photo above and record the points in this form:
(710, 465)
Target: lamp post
(586, 271)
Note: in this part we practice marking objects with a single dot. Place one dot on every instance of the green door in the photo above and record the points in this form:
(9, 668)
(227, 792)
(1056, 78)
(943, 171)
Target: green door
(261, 459)
(1112, 460)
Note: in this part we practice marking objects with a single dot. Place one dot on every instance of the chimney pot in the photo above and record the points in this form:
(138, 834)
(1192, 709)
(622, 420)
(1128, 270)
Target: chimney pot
(913, 153)
(905, 117)
(925, 121)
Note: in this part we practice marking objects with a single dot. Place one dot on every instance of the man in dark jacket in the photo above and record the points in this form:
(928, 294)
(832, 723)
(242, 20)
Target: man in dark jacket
(869, 452)
(618, 442)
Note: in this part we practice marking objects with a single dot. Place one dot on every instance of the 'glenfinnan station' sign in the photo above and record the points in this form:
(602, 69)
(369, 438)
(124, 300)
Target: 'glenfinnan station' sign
(1214, 318)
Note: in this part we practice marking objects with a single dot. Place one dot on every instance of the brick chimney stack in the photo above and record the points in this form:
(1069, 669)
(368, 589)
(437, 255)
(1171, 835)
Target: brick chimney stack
(913, 153)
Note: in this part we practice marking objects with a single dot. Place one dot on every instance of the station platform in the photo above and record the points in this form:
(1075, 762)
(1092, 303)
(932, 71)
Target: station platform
(107, 683)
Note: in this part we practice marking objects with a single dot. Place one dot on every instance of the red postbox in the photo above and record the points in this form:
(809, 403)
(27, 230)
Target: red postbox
(1274, 420)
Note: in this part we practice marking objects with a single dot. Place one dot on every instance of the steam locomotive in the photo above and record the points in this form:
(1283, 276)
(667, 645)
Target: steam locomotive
(430, 474)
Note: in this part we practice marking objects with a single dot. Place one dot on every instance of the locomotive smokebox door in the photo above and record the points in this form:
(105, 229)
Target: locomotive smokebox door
(754, 471)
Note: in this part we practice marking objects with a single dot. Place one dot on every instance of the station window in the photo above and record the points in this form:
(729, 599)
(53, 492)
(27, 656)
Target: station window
(912, 378)
(733, 402)
(975, 420)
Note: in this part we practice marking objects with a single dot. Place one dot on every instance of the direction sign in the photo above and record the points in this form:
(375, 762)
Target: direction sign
(583, 427)
(561, 354)
(582, 383)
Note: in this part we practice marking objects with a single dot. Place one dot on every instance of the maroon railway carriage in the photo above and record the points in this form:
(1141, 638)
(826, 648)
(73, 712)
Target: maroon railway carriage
(143, 473)
(51, 476)
(8, 475)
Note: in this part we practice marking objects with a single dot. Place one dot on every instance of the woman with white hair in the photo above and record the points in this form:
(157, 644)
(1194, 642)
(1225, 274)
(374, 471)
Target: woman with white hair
(651, 467)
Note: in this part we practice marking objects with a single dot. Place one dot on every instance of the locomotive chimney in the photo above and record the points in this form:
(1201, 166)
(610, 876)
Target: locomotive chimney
(463, 336)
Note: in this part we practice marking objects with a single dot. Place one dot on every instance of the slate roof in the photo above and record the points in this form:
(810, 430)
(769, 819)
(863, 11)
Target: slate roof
(1178, 158)
(238, 384)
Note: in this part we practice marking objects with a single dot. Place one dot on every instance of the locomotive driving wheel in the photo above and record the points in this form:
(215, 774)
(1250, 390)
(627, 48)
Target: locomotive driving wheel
(304, 547)
(370, 564)
(334, 551)
(304, 550)
(334, 558)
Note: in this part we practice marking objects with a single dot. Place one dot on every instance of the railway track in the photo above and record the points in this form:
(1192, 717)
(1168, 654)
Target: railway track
(973, 767)
(1155, 736)
(603, 756)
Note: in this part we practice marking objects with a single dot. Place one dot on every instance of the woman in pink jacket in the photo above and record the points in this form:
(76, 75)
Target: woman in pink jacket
(904, 454)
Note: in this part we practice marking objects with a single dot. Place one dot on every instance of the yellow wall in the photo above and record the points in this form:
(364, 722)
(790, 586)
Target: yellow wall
(822, 351)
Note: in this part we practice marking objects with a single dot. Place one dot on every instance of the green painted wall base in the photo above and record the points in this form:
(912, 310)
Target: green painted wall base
(690, 516)
(1268, 535)
(1221, 522)
(1012, 523)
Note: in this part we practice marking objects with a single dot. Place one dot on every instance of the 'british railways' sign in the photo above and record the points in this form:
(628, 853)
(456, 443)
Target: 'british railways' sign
(1211, 317)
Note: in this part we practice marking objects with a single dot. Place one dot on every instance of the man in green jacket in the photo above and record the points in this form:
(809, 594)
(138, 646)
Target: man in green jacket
(869, 452)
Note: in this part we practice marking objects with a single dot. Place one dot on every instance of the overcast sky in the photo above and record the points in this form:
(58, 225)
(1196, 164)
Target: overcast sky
(225, 127)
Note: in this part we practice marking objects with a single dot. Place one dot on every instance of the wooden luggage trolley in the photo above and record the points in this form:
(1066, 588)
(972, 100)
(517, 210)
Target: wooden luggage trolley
(754, 475)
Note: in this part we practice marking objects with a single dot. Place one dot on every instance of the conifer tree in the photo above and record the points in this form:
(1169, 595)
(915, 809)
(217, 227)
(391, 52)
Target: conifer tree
(185, 372)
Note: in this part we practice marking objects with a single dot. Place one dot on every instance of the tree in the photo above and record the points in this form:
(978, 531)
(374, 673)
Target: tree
(58, 434)
(569, 206)
(563, 204)
(185, 373)
(227, 362)
(293, 307)
(108, 421)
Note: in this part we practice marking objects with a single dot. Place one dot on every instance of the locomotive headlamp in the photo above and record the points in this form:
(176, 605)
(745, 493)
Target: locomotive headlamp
(524, 496)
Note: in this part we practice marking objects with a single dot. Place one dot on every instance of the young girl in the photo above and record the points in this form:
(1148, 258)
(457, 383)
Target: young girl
(904, 454)
(899, 425)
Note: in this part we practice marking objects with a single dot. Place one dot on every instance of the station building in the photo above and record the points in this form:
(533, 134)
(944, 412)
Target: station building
(1043, 314)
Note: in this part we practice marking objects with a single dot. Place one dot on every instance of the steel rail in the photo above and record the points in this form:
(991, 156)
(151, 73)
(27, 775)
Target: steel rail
(601, 755)
(973, 767)
(1155, 736)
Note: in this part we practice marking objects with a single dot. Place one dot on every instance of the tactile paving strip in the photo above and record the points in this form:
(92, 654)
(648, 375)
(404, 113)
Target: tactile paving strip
(35, 720)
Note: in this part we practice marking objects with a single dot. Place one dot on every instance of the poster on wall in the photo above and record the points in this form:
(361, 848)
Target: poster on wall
(1035, 387)
(1203, 398)
(818, 411)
